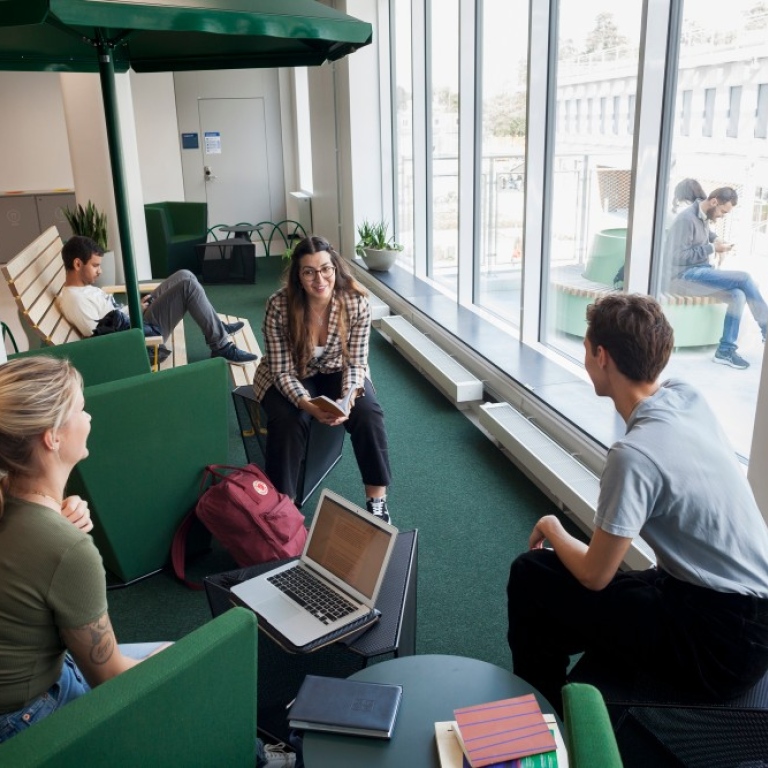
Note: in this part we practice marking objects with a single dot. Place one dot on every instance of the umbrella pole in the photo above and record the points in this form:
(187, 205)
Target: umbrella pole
(109, 94)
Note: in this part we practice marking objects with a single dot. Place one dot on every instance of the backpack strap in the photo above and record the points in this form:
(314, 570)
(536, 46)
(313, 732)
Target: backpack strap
(179, 550)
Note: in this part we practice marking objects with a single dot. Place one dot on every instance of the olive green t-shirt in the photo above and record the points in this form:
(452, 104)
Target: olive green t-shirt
(51, 576)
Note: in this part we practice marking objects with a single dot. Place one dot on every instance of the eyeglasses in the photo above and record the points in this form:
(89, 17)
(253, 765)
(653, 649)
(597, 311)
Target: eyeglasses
(326, 271)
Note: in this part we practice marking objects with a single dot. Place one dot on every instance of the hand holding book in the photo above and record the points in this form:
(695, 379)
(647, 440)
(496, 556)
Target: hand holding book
(338, 408)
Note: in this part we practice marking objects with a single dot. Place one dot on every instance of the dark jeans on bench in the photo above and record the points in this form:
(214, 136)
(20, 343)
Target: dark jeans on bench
(714, 643)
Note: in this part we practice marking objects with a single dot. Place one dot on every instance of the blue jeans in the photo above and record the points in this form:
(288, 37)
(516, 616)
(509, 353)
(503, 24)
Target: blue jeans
(736, 289)
(70, 685)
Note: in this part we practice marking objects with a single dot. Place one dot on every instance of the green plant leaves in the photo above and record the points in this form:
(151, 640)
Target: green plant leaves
(88, 222)
(374, 235)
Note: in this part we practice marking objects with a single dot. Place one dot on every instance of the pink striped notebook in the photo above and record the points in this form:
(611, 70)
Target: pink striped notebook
(503, 730)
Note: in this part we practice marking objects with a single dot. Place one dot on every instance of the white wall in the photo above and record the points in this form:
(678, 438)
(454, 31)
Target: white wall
(33, 132)
(190, 87)
(158, 137)
(346, 144)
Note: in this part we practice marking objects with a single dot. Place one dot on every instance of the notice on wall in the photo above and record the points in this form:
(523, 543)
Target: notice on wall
(190, 141)
(212, 143)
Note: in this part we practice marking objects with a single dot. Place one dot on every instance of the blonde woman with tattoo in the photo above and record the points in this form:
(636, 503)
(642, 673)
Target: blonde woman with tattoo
(56, 639)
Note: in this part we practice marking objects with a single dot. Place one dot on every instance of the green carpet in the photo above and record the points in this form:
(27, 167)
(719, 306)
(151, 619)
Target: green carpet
(473, 509)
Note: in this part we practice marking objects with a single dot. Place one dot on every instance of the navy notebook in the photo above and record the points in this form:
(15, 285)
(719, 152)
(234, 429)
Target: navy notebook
(346, 706)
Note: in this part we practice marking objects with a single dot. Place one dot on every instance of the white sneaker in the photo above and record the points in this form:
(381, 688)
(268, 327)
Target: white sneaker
(278, 756)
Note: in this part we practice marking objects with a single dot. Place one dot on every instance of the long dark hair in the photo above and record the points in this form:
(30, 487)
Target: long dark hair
(298, 305)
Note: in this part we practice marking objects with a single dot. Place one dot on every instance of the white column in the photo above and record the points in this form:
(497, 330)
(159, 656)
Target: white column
(87, 134)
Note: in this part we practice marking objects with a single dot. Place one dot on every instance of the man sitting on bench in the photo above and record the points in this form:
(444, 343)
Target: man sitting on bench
(84, 304)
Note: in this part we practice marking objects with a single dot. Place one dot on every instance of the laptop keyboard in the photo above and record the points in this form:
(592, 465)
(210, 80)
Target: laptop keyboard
(323, 603)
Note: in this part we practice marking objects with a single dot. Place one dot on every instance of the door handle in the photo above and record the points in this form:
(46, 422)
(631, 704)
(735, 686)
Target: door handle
(209, 174)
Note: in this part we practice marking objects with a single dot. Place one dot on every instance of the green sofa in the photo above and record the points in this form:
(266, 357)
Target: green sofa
(151, 436)
(588, 732)
(193, 704)
(102, 358)
(174, 230)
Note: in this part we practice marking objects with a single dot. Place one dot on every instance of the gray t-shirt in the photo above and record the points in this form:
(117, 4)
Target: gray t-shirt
(675, 479)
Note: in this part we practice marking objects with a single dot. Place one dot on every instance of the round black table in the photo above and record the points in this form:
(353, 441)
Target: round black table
(433, 686)
(240, 231)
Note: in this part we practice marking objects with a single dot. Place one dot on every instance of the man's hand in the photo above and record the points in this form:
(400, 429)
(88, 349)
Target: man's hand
(76, 511)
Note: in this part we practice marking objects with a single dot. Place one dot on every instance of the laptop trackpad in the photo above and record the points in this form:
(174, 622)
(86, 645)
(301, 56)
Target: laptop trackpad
(279, 609)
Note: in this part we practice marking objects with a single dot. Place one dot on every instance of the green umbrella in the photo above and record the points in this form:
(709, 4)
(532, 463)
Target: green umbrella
(109, 36)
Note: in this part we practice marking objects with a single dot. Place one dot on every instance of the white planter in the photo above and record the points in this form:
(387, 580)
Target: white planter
(379, 260)
(107, 276)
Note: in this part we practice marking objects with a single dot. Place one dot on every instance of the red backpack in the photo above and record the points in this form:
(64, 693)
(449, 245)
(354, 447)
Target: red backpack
(243, 510)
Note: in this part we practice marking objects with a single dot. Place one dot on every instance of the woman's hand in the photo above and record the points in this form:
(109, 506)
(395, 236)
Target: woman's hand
(322, 416)
(76, 511)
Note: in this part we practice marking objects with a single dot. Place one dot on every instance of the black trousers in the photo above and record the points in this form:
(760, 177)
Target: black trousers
(711, 643)
(288, 431)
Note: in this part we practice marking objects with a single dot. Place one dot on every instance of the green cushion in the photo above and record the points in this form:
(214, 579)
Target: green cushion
(151, 436)
(174, 229)
(102, 358)
(588, 731)
(193, 704)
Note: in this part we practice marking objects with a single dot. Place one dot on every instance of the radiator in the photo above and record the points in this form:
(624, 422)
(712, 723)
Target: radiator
(451, 378)
(378, 310)
(555, 470)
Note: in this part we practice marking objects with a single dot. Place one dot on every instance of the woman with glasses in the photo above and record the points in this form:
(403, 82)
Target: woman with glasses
(316, 333)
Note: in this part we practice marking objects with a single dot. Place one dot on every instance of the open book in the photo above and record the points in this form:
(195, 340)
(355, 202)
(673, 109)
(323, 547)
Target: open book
(337, 408)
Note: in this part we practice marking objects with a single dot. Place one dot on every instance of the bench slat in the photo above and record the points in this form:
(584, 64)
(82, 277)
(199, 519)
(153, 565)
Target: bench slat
(244, 339)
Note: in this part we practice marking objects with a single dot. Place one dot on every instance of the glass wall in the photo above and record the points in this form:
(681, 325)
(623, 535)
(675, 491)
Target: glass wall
(402, 77)
(443, 147)
(709, 123)
(591, 179)
(503, 57)
(722, 76)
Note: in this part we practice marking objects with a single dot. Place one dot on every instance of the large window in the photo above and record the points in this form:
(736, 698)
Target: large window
(597, 55)
(530, 224)
(721, 61)
(503, 53)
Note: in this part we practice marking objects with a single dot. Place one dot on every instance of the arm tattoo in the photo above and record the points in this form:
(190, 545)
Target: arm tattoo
(102, 640)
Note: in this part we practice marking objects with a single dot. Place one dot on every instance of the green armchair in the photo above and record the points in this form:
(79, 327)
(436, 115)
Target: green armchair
(193, 704)
(588, 731)
(174, 230)
(151, 437)
(102, 358)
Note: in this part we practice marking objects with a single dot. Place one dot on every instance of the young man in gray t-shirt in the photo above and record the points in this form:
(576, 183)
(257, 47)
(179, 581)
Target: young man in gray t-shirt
(700, 618)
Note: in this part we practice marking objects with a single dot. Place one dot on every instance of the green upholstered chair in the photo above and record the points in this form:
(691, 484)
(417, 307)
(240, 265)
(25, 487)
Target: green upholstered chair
(193, 704)
(174, 230)
(588, 731)
(102, 358)
(151, 436)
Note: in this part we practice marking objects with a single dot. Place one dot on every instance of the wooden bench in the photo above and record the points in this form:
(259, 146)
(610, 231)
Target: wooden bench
(696, 320)
(246, 340)
(36, 276)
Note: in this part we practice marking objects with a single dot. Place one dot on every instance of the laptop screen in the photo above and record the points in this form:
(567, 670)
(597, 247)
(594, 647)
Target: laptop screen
(348, 545)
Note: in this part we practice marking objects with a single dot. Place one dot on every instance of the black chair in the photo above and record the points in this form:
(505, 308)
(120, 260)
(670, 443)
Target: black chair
(657, 725)
(324, 447)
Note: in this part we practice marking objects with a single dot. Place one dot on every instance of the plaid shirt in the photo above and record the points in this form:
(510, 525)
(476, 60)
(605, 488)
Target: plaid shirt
(277, 367)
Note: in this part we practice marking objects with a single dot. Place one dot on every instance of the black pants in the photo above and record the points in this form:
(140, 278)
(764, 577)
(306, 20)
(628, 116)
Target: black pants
(711, 643)
(288, 431)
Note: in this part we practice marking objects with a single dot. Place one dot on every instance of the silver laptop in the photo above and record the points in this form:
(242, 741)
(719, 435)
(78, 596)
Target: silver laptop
(345, 559)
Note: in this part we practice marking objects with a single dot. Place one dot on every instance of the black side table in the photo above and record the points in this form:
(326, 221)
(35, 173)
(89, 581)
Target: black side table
(281, 673)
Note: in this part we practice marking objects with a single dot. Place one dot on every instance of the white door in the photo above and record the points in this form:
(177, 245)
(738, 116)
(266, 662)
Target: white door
(234, 143)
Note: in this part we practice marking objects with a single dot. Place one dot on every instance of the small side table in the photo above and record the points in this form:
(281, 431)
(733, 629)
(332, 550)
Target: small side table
(281, 673)
(433, 686)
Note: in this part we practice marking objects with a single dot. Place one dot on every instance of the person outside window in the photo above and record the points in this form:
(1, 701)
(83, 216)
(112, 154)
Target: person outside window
(694, 254)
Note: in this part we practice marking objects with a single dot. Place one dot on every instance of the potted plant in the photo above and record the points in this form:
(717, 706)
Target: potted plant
(90, 222)
(375, 247)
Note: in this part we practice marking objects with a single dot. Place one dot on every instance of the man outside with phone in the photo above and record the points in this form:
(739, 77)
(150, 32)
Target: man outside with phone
(694, 254)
